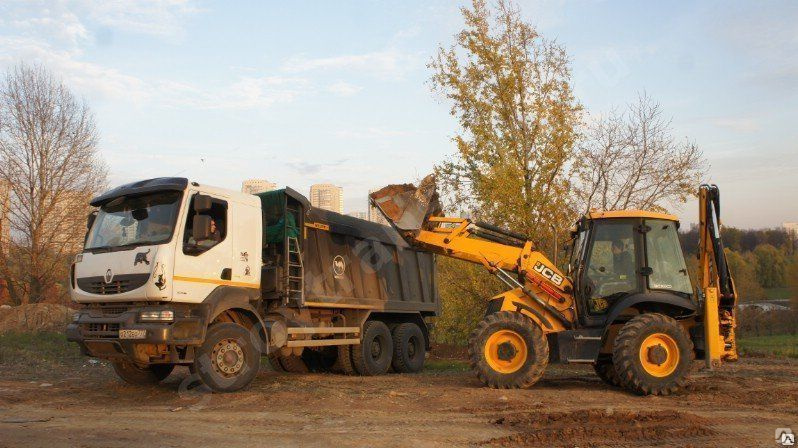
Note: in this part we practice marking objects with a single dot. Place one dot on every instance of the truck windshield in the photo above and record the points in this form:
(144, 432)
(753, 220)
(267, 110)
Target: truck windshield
(135, 221)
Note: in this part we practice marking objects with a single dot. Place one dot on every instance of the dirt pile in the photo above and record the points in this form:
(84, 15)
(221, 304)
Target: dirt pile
(599, 427)
(34, 318)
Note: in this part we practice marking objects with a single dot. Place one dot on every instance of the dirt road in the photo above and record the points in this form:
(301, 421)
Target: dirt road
(741, 405)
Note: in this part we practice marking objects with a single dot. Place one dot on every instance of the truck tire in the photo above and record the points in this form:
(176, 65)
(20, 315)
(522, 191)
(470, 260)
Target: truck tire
(344, 361)
(142, 376)
(274, 361)
(320, 359)
(373, 355)
(409, 348)
(227, 360)
(508, 350)
(606, 371)
(652, 354)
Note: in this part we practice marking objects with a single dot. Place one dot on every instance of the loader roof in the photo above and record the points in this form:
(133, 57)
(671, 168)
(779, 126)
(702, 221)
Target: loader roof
(617, 214)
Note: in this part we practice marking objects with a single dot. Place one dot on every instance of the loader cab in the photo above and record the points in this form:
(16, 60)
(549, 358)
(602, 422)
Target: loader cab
(622, 258)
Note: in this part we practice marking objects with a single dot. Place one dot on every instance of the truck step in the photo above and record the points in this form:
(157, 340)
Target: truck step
(322, 342)
(323, 330)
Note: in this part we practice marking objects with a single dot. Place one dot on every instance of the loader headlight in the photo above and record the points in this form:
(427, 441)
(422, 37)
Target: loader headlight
(157, 316)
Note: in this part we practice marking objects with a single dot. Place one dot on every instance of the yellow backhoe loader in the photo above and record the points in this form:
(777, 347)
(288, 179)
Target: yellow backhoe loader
(625, 303)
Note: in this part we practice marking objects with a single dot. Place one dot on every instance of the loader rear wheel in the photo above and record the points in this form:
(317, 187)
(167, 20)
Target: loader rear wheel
(373, 355)
(652, 355)
(142, 376)
(606, 371)
(508, 350)
(293, 364)
(344, 361)
(227, 360)
(409, 348)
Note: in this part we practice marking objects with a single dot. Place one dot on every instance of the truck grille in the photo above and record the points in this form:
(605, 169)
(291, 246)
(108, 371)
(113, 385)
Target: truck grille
(119, 284)
(100, 330)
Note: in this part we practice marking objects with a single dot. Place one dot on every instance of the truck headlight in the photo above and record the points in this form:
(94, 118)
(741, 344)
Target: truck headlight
(157, 316)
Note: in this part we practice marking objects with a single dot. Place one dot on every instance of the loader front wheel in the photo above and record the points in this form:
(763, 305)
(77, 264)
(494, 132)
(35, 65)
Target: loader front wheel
(508, 350)
(652, 355)
(142, 376)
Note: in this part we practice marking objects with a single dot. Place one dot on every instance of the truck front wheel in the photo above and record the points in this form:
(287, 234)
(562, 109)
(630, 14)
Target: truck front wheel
(227, 361)
(142, 376)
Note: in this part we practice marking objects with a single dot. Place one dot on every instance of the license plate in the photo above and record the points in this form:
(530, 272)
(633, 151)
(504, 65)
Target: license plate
(132, 334)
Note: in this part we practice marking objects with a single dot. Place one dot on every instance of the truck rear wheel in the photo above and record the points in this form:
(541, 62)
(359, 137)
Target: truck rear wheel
(227, 361)
(652, 355)
(606, 371)
(409, 348)
(508, 350)
(293, 364)
(142, 376)
(373, 355)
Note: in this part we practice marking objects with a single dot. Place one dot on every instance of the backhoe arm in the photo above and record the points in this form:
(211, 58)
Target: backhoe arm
(717, 285)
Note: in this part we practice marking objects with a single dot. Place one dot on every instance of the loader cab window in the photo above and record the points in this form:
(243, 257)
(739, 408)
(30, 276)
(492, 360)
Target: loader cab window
(665, 258)
(611, 265)
(218, 227)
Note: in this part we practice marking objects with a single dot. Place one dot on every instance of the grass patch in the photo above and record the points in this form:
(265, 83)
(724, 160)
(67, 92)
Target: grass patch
(445, 365)
(783, 345)
(37, 350)
(778, 293)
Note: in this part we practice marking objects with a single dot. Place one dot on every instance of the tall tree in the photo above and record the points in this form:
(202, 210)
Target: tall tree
(631, 160)
(49, 160)
(510, 90)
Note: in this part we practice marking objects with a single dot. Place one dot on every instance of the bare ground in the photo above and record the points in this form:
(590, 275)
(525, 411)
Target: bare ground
(85, 405)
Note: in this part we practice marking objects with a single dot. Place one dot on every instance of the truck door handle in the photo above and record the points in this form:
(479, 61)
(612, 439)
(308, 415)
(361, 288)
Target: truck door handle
(227, 274)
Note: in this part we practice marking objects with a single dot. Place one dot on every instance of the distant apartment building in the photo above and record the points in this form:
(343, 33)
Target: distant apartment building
(327, 196)
(359, 215)
(374, 215)
(255, 186)
(791, 228)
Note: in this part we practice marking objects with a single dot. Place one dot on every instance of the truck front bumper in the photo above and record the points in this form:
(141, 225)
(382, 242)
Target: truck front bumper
(99, 331)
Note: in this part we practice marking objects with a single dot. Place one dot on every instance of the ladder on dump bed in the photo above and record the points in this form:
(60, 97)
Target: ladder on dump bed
(295, 276)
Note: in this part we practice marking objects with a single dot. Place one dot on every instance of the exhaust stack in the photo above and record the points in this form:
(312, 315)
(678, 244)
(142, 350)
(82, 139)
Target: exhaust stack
(406, 206)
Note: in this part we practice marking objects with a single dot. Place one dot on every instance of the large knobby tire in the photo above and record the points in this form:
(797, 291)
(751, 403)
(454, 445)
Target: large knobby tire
(373, 355)
(142, 376)
(508, 350)
(320, 359)
(344, 362)
(409, 348)
(293, 364)
(274, 361)
(606, 371)
(652, 355)
(227, 360)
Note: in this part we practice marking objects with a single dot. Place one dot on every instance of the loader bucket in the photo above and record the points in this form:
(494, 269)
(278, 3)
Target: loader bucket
(406, 206)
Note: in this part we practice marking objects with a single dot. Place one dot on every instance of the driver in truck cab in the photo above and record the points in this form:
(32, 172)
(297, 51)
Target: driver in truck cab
(622, 263)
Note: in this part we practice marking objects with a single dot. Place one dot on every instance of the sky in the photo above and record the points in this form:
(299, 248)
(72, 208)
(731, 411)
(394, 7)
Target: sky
(308, 92)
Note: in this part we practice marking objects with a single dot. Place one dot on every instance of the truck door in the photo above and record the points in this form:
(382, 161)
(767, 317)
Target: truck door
(202, 266)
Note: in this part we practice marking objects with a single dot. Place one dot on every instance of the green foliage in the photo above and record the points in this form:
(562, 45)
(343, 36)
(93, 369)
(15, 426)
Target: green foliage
(510, 90)
(771, 266)
(743, 270)
(464, 290)
(37, 351)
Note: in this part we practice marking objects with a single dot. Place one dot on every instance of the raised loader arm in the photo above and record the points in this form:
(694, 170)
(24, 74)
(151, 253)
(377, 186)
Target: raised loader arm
(415, 213)
(717, 285)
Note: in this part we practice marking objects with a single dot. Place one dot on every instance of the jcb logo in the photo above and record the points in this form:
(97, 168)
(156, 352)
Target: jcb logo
(541, 269)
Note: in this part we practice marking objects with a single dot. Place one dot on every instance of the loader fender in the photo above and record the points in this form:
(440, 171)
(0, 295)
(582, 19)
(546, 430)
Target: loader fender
(661, 302)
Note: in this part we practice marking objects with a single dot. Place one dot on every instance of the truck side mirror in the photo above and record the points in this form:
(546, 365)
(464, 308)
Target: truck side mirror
(201, 227)
(202, 203)
(90, 220)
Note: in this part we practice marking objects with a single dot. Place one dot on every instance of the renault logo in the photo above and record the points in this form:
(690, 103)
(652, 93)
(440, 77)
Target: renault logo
(109, 276)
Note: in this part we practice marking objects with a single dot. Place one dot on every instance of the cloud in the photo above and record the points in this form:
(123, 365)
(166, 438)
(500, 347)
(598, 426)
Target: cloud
(385, 64)
(738, 124)
(153, 17)
(308, 168)
(342, 88)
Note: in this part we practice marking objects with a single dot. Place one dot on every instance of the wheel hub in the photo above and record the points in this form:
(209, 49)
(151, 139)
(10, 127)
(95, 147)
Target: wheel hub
(228, 357)
(376, 349)
(506, 351)
(657, 354)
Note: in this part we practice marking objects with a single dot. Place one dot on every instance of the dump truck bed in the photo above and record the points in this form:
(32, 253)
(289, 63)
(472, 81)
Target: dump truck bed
(353, 263)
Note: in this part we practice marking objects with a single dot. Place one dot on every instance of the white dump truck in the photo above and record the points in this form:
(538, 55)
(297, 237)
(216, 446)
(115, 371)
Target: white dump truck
(178, 273)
